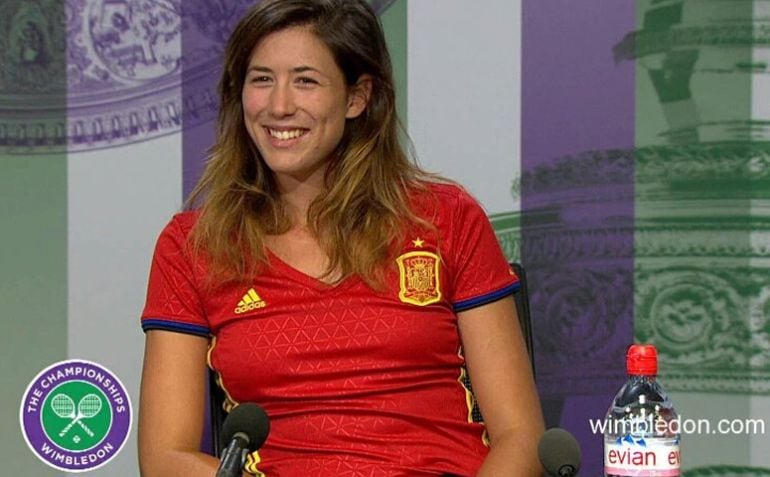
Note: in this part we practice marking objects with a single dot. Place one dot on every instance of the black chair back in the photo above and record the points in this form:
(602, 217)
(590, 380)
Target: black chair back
(521, 297)
(216, 413)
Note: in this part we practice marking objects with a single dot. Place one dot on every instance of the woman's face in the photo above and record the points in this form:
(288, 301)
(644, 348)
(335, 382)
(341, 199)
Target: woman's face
(295, 103)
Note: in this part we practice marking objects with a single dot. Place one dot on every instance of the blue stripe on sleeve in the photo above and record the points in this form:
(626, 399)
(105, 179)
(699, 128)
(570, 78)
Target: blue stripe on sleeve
(486, 298)
(155, 324)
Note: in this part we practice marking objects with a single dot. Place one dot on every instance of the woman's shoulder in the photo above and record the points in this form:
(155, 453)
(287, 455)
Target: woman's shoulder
(181, 223)
(444, 189)
(445, 195)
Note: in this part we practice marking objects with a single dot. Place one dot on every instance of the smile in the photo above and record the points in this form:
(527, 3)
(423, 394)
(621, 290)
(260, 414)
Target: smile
(285, 135)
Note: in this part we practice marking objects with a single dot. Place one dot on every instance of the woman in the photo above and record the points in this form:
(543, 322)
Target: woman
(328, 279)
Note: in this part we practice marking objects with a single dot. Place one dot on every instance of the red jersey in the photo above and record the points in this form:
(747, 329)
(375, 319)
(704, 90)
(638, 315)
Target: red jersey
(355, 381)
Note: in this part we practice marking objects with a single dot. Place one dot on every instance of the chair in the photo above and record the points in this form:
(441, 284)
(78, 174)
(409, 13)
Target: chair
(521, 298)
(216, 399)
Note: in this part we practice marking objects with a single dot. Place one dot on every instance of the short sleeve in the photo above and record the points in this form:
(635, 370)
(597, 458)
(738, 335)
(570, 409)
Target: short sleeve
(173, 300)
(480, 273)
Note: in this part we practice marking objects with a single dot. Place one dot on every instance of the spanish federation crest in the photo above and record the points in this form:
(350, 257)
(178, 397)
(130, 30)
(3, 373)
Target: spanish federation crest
(419, 278)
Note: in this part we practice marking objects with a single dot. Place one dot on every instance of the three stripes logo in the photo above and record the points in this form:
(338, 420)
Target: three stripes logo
(251, 301)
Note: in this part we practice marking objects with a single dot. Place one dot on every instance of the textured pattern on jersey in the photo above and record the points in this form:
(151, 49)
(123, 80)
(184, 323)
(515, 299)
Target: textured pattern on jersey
(172, 292)
(355, 382)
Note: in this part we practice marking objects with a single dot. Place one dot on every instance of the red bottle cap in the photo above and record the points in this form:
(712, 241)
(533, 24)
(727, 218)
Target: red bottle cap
(642, 360)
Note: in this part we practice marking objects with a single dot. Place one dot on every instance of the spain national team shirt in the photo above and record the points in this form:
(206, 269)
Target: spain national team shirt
(356, 381)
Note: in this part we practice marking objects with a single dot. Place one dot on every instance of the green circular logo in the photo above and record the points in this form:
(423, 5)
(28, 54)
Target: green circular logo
(76, 416)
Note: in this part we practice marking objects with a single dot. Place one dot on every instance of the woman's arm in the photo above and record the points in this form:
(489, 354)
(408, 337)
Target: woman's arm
(502, 382)
(171, 407)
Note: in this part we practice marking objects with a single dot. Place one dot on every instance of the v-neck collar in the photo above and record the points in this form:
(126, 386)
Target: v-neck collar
(277, 264)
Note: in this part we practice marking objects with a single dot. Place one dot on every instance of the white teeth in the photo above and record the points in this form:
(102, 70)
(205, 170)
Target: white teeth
(285, 135)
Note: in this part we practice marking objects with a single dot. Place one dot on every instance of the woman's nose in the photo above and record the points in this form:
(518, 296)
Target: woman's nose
(282, 101)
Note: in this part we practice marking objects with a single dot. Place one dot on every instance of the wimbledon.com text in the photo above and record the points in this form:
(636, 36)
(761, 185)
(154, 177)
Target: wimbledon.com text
(640, 426)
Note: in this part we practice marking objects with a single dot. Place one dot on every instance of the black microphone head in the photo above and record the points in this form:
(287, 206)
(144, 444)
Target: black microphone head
(559, 453)
(249, 419)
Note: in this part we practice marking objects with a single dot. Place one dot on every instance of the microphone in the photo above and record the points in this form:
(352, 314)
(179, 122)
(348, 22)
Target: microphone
(245, 430)
(559, 453)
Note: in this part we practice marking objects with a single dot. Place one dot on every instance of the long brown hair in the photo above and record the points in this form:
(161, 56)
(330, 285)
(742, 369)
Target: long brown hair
(366, 206)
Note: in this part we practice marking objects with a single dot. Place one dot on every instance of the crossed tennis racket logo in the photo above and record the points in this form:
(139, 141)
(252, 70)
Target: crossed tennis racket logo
(88, 407)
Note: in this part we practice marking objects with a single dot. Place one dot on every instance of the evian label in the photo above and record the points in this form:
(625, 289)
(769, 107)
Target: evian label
(652, 457)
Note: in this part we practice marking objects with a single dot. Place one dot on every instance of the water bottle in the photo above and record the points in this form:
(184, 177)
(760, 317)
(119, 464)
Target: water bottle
(641, 437)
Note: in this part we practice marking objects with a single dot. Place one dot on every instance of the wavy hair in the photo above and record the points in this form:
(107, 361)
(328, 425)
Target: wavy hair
(366, 205)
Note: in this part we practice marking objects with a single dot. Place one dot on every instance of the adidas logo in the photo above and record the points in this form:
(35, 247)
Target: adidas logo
(251, 301)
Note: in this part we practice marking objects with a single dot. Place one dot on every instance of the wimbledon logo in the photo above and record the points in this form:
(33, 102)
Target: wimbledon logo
(75, 415)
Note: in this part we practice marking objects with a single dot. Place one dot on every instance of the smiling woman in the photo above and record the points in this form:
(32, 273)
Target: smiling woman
(307, 89)
(326, 277)
(295, 104)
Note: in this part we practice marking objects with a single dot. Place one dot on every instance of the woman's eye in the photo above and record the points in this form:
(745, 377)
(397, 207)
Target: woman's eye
(306, 80)
(260, 79)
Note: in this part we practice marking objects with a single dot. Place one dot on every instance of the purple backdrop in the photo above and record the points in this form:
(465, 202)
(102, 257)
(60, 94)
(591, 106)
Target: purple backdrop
(577, 238)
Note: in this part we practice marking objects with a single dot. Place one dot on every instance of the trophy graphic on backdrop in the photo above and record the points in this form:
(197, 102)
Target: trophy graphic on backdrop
(694, 226)
(133, 70)
(702, 280)
(699, 231)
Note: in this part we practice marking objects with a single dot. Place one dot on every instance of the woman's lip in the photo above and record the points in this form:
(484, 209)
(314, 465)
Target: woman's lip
(285, 128)
(281, 143)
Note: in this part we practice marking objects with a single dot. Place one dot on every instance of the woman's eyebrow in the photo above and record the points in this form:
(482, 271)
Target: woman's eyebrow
(259, 69)
(304, 69)
(296, 69)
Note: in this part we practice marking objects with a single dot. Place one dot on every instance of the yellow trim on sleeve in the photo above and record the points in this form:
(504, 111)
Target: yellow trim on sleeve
(252, 461)
(229, 402)
(470, 399)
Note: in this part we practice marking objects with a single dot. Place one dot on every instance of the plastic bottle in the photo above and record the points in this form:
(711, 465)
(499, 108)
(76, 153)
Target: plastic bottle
(642, 436)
